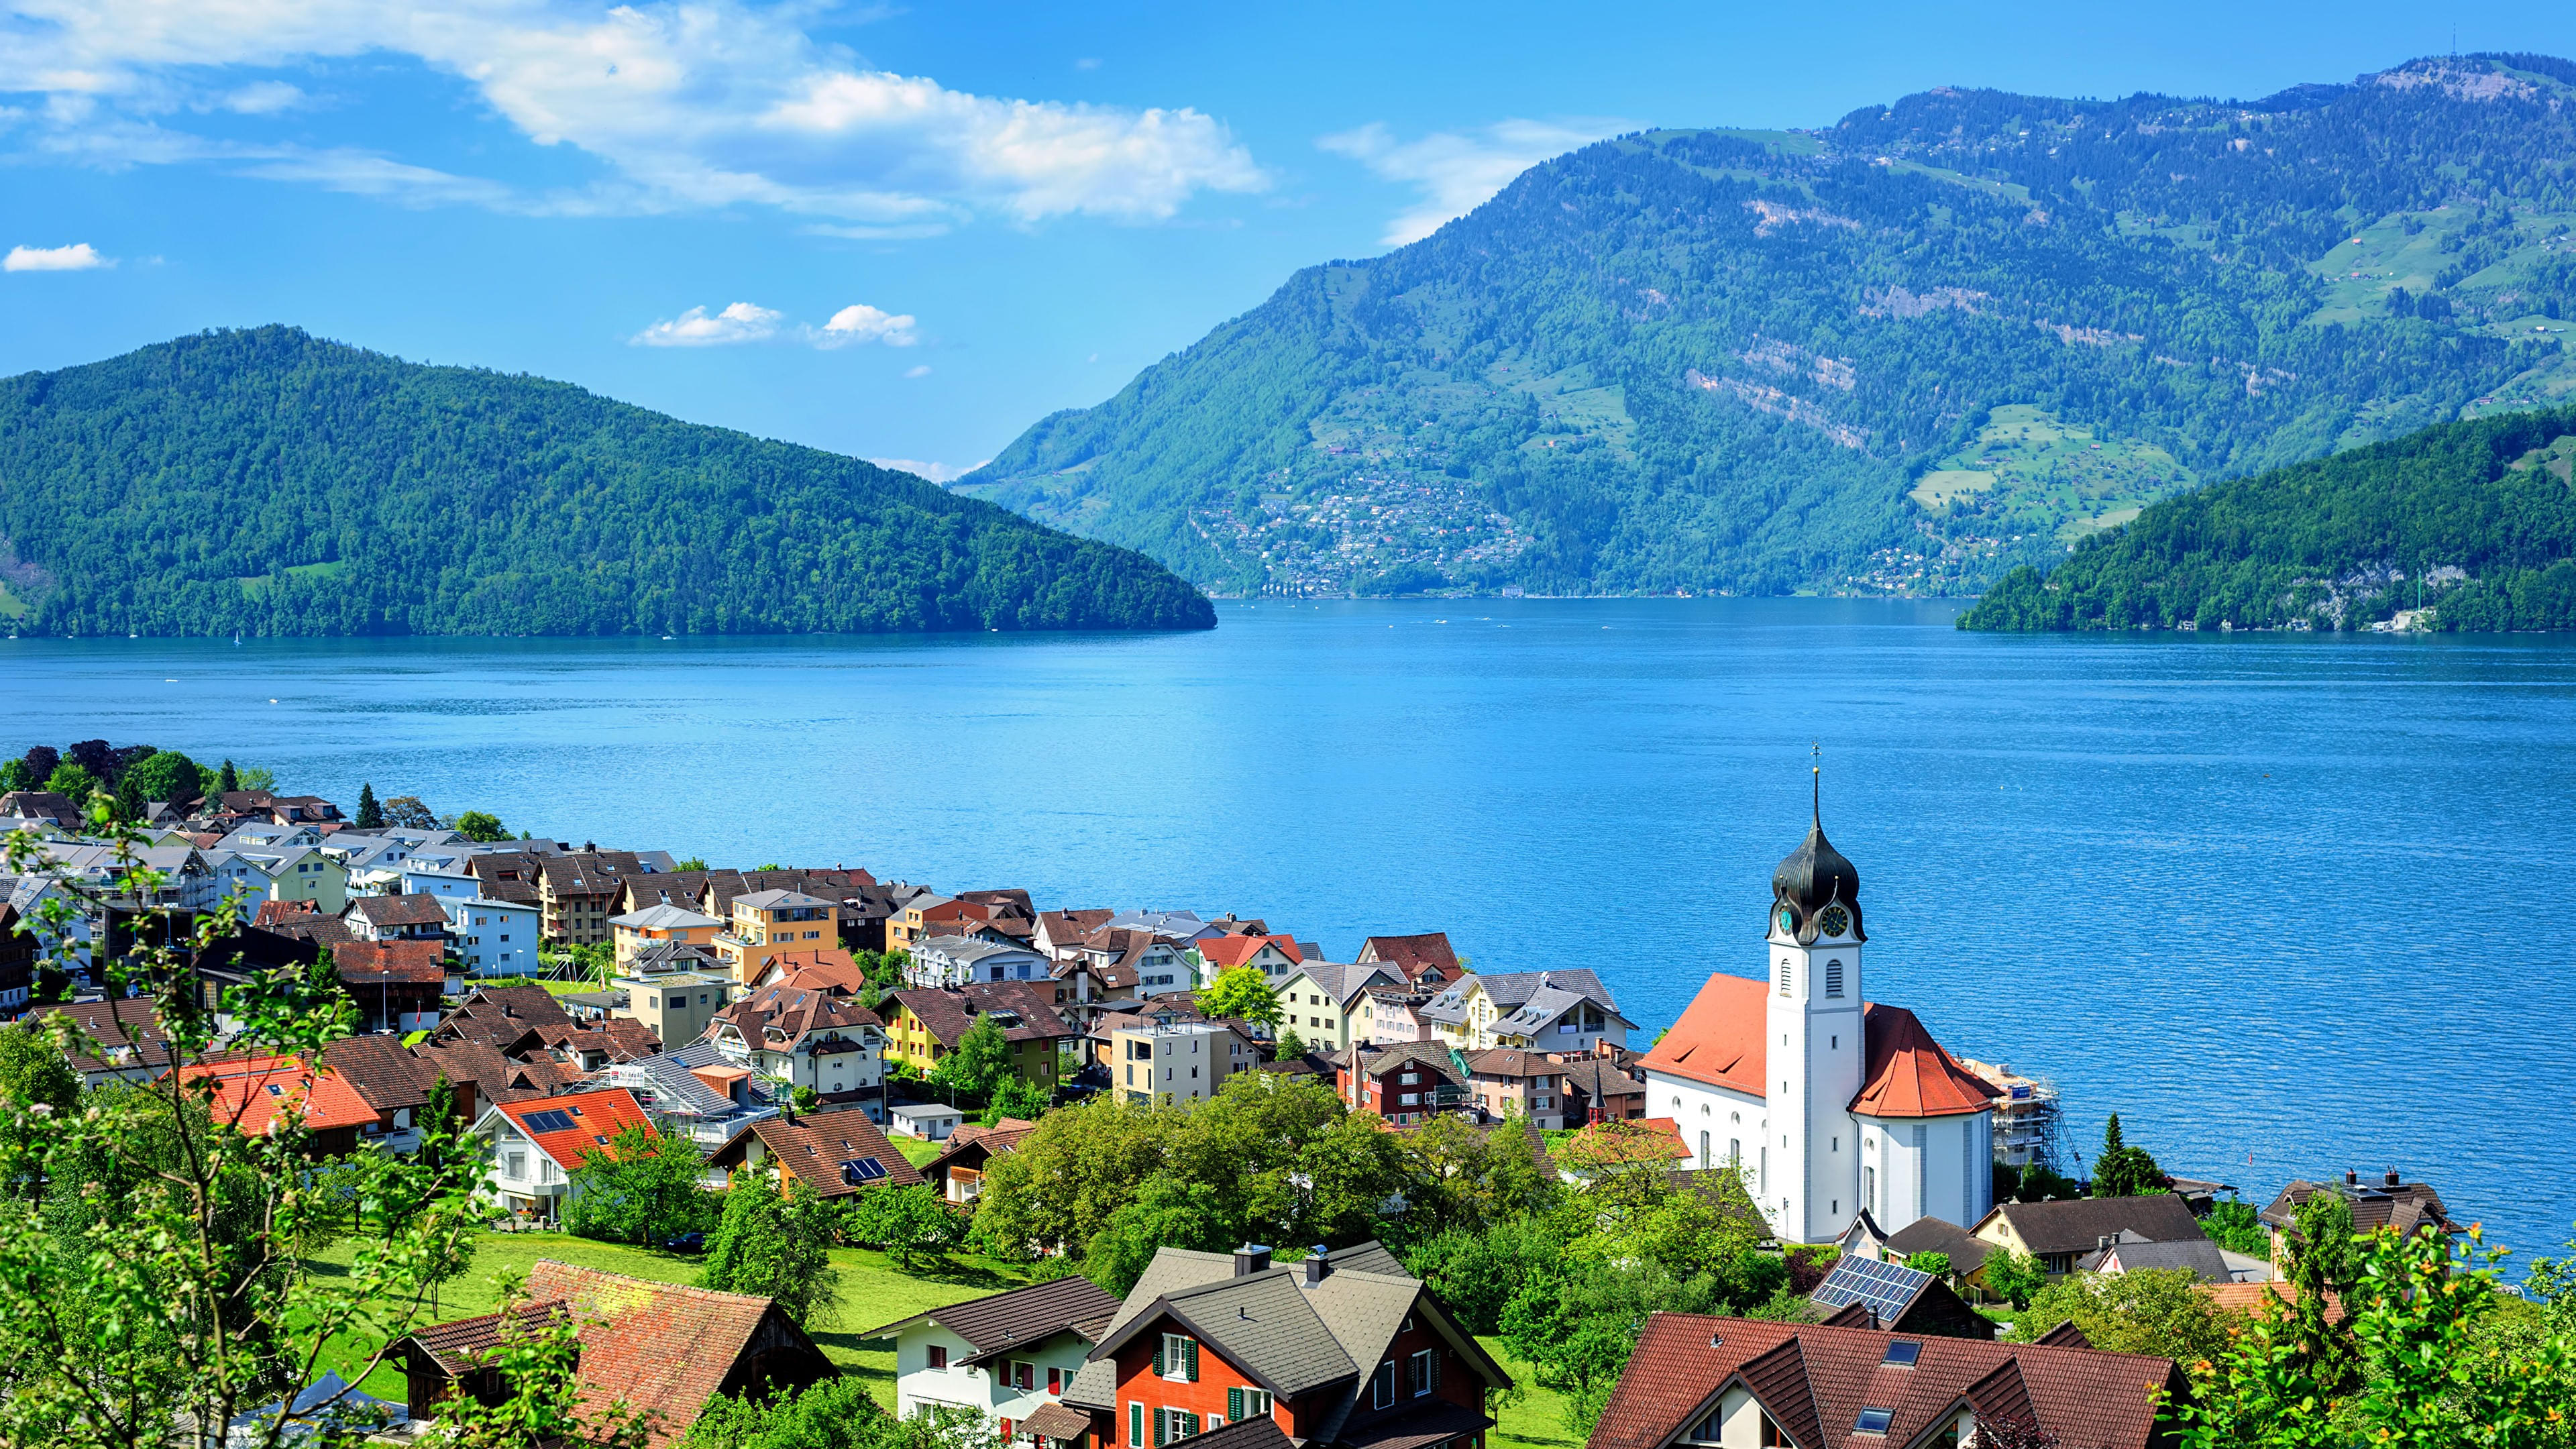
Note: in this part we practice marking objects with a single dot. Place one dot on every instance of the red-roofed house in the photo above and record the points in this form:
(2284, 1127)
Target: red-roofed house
(397, 983)
(1871, 1113)
(1275, 955)
(1425, 960)
(260, 1095)
(536, 1143)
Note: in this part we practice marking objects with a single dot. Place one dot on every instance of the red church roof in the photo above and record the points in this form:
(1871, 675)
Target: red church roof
(1907, 1074)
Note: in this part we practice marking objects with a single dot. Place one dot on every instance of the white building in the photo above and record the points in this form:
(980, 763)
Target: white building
(1831, 1103)
(1005, 1359)
(492, 938)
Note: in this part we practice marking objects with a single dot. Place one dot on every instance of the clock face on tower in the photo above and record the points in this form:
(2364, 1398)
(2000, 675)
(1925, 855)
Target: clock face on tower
(1835, 920)
(1788, 921)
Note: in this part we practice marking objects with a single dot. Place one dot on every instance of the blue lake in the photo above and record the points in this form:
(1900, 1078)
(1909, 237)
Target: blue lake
(2288, 903)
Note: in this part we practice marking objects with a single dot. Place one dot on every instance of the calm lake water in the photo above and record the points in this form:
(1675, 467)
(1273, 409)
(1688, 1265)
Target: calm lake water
(2289, 904)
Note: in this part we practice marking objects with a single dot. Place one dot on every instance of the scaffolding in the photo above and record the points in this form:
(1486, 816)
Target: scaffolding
(2027, 1119)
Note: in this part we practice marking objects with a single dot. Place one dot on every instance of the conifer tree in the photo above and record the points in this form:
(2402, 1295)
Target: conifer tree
(229, 780)
(371, 816)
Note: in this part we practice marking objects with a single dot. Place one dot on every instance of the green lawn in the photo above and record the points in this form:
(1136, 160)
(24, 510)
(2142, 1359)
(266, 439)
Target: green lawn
(873, 1293)
(916, 1151)
(1533, 1416)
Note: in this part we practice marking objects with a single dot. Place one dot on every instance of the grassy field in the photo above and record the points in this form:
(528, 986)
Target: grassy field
(873, 1293)
(1533, 1417)
(915, 1151)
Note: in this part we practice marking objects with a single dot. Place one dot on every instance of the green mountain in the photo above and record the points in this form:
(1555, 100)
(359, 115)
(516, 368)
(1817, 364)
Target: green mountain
(1902, 353)
(268, 482)
(2468, 526)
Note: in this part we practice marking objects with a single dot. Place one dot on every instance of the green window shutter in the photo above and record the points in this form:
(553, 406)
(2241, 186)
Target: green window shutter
(1435, 1370)
(1234, 1406)
(1194, 1424)
(1162, 1426)
(1158, 1356)
(1190, 1348)
(1135, 1423)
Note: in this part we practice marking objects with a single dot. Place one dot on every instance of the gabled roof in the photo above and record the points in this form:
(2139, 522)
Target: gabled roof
(1718, 1040)
(1937, 1235)
(2200, 1255)
(797, 1016)
(1413, 955)
(596, 1117)
(664, 916)
(2404, 1206)
(1814, 1380)
(1019, 1318)
(816, 1144)
(976, 1145)
(662, 1349)
(255, 1095)
(1911, 1075)
(2078, 1225)
(1512, 991)
(126, 1028)
(1341, 981)
(412, 910)
(1229, 951)
(365, 963)
(381, 1070)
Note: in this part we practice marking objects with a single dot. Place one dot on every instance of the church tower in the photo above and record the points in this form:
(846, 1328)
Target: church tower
(1809, 1182)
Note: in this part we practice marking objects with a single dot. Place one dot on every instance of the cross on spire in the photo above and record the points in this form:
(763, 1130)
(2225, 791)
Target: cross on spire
(1816, 772)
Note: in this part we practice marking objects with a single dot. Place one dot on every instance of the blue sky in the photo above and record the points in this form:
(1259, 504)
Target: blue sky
(908, 231)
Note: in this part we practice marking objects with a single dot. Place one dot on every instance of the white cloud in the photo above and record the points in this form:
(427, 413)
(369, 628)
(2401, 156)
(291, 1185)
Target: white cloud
(1456, 172)
(922, 370)
(860, 323)
(741, 322)
(693, 104)
(935, 472)
(78, 257)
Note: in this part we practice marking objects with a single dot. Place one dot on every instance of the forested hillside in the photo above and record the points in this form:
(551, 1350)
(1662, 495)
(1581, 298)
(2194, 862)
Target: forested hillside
(267, 482)
(1906, 352)
(2472, 524)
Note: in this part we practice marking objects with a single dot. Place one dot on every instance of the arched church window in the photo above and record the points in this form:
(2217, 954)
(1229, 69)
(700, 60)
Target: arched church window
(1833, 978)
(1784, 975)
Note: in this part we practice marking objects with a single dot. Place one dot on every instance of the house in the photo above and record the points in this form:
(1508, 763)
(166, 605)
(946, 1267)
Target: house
(694, 1093)
(128, 1042)
(53, 807)
(660, 922)
(18, 952)
(678, 1006)
(661, 1350)
(1733, 1382)
(1966, 1252)
(260, 1095)
(1127, 965)
(945, 961)
(1423, 960)
(803, 1036)
(1553, 1089)
(837, 1154)
(2199, 1256)
(1871, 1293)
(575, 888)
(1004, 1358)
(500, 1016)
(2057, 1233)
(923, 1026)
(765, 924)
(27, 895)
(1275, 957)
(923, 916)
(1322, 1001)
(493, 937)
(925, 1121)
(1403, 1084)
(1549, 1010)
(1344, 1350)
(1872, 1114)
(1060, 933)
(298, 873)
(534, 1145)
(1184, 928)
(958, 1170)
(397, 918)
(1390, 1015)
(2392, 1202)
(396, 1085)
(1162, 1056)
(398, 985)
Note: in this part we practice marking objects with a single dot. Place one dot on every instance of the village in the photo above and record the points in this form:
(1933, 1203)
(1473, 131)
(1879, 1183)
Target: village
(1827, 1226)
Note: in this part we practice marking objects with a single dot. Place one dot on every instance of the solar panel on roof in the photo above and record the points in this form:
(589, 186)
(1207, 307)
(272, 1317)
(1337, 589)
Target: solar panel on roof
(857, 1170)
(1886, 1288)
(549, 1120)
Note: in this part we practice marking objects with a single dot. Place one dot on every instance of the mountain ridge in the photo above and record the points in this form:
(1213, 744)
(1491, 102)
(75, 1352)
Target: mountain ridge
(265, 481)
(1729, 360)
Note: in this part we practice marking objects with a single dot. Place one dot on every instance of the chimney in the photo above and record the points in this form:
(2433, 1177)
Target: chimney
(1318, 1268)
(2394, 1180)
(2351, 1178)
(1251, 1258)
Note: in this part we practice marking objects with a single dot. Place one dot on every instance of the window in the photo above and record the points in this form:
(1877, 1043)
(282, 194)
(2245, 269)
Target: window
(1177, 1424)
(1869, 1191)
(1024, 1376)
(1382, 1385)
(1422, 1372)
(1901, 1354)
(1784, 975)
(1179, 1358)
(1242, 1404)
(939, 1355)
(1873, 1421)
(1833, 978)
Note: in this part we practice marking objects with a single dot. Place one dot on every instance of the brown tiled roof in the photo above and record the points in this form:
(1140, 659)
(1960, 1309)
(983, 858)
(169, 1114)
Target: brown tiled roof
(815, 1144)
(320, 930)
(2077, 1225)
(1056, 1421)
(1378, 1060)
(411, 910)
(364, 963)
(381, 1070)
(661, 1349)
(273, 913)
(981, 1143)
(127, 1023)
(949, 1015)
(629, 1038)
(1413, 955)
(786, 1017)
(828, 969)
(1814, 1380)
(455, 1346)
(2266, 1298)
(2404, 1206)
(1021, 1317)
(498, 1015)
(588, 873)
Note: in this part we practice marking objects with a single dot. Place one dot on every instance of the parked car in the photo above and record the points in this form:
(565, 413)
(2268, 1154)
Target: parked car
(686, 1243)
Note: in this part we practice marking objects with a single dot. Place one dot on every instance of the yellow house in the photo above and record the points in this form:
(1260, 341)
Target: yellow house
(306, 874)
(768, 924)
(636, 930)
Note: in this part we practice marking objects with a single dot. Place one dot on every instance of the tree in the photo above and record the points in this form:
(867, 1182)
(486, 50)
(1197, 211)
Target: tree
(1935, 1263)
(405, 812)
(977, 1064)
(774, 1245)
(2039, 1184)
(2235, 1226)
(371, 816)
(258, 777)
(1242, 992)
(1616, 1148)
(166, 775)
(692, 863)
(2159, 1311)
(228, 779)
(2013, 1277)
(643, 1187)
(481, 826)
(73, 781)
(841, 1412)
(2122, 1170)
(14, 775)
(804, 1099)
(41, 762)
(1019, 1097)
(129, 800)
(1290, 1045)
(150, 1284)
(910, 1224)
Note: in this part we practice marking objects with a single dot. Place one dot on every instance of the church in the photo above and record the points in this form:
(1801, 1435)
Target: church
(1834, 1104)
